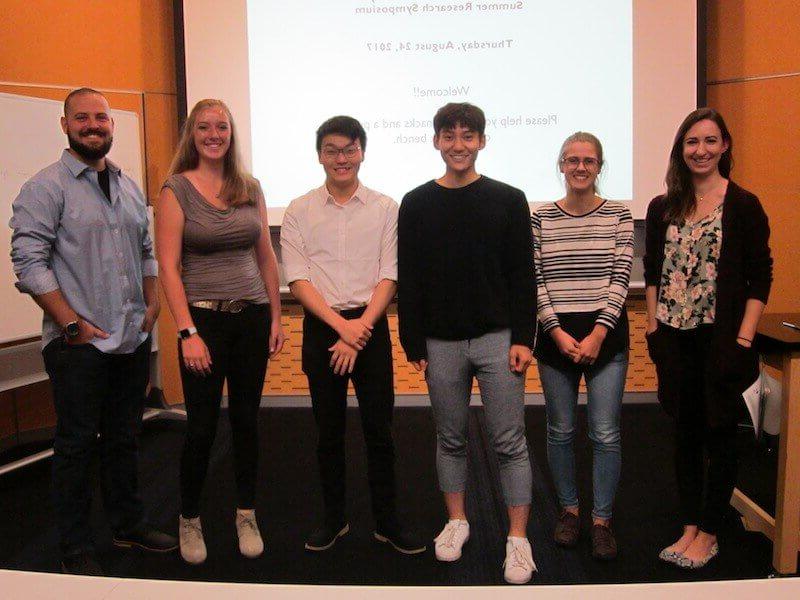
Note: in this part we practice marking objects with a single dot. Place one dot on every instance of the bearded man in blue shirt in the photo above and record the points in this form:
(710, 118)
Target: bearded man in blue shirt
(81, 249)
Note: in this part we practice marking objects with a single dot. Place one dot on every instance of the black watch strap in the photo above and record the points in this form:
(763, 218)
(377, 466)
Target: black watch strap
(187, 333)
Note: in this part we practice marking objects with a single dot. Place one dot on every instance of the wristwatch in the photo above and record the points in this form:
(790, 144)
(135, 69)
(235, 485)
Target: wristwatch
(72, 330)
(187, 333)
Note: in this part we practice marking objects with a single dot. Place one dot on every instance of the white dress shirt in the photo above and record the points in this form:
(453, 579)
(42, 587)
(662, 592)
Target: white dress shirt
(344, 250)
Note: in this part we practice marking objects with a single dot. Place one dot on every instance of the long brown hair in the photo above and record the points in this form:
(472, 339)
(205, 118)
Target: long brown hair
(681, 200)
(239, 186)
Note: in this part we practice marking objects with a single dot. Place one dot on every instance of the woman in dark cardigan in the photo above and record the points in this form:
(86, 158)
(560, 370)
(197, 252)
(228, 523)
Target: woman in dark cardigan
(707, 272)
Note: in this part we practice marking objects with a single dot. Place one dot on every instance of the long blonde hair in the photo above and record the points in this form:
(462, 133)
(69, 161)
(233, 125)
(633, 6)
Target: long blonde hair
(239, 186)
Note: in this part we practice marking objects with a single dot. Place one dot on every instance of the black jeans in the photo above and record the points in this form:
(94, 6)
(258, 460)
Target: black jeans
(374, 386)
(239, 348)
(695, 438)
(96, 393)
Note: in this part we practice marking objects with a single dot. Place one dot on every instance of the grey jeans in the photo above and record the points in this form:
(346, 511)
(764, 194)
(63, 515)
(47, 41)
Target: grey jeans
(451, 366)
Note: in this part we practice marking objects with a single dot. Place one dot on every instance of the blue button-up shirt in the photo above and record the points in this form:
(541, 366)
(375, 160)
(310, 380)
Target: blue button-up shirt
(69, 236)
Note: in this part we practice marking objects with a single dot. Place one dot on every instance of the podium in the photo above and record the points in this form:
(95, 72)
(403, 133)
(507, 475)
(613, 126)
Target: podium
(780, 347)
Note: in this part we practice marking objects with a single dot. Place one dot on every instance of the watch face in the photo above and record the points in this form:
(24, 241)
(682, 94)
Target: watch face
(72, 330)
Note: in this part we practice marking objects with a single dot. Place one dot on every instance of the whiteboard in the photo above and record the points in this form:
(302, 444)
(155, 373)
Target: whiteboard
(32, 139)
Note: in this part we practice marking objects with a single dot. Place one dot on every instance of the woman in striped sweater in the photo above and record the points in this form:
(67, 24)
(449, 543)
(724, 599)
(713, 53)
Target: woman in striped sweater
(583, 251)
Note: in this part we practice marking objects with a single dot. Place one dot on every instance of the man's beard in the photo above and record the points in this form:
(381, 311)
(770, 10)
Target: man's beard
(90, 152)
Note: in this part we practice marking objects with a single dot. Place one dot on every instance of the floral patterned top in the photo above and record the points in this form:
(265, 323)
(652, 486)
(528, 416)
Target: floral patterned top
(688, 290)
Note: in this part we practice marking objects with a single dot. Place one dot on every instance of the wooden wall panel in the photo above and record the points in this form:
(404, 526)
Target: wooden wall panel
(161, 138)
(119, 100)
(157, 43)
(168, 354)
(285, 376)
(36, 415)
(752, 37)
(123, 45)
(764, 117)
(8, 420)
(125, 48)
(284, 373)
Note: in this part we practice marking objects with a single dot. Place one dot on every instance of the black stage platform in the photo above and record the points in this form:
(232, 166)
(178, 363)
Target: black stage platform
(288, 507)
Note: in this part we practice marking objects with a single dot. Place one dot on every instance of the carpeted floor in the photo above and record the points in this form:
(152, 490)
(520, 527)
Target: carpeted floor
(289, 506)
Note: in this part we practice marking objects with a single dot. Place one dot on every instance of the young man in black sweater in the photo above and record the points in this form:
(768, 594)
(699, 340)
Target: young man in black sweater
(467, 307)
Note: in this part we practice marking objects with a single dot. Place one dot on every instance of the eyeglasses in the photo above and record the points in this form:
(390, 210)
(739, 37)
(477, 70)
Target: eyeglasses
(573, 161)
(332, 153)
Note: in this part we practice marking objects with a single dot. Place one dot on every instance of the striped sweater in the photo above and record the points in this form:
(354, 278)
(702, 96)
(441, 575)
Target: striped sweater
(583, 263)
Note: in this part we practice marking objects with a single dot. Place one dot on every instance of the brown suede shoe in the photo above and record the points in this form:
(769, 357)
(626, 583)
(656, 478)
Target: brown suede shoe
(568, 529)
(604, 546)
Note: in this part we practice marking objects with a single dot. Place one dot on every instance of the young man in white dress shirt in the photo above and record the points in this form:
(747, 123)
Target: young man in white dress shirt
(339, 252)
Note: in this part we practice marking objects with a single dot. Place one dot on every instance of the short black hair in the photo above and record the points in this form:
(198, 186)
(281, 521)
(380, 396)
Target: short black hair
(342, 125)
(79, 92)
(459, 113)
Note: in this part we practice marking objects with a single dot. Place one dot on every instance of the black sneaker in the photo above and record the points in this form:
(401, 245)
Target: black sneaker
(81, 564)
(146, 538)
(402, 541)
(326, 536)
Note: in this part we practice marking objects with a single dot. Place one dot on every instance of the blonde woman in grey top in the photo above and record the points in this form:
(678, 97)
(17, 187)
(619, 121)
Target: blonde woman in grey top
(220, 279)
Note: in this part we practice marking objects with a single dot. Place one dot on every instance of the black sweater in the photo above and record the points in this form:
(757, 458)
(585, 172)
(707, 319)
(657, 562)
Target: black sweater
(465, 264)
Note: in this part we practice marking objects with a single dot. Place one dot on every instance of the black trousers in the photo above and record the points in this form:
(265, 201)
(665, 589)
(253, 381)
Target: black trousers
(239, 348)
(705, 456)
(374, 386)
(96, 393)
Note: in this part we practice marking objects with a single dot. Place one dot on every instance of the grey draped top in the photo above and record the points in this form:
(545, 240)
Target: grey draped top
(218, 258)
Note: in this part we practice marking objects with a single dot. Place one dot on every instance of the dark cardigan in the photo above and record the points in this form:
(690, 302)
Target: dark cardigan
(744, 271)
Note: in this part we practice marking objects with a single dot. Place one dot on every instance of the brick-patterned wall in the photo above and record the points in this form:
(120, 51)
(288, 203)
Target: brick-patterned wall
(285, 377)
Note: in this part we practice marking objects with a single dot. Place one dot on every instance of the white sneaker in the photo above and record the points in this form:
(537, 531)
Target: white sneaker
(519, 565)
(449, 542)
(193, 548)
(250, 543)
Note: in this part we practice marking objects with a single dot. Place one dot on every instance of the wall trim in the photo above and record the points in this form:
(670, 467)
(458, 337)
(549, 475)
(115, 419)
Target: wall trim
(754, 78)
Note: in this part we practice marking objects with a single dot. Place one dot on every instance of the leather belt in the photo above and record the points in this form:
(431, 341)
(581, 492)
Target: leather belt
(231, 306)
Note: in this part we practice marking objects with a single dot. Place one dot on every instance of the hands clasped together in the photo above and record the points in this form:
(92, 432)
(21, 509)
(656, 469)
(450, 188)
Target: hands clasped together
(353, 336)
(583, 352)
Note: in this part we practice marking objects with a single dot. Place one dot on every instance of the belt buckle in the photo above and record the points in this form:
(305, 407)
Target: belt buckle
(235, 306)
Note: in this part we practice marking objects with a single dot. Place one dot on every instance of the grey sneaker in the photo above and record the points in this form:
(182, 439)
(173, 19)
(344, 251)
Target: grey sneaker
(250, 543)
(193, 547)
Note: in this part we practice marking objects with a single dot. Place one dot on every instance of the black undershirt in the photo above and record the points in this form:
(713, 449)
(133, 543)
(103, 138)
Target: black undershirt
(105, 184)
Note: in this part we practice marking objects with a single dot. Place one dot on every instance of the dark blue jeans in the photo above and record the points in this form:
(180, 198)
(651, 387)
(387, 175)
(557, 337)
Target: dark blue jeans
(605, 385)
(99, 400)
